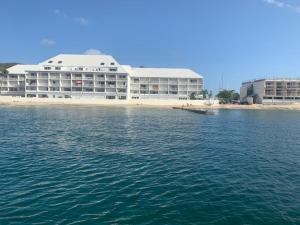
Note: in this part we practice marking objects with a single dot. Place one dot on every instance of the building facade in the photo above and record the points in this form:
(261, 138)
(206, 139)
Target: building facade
(98, 76)
(283, 90)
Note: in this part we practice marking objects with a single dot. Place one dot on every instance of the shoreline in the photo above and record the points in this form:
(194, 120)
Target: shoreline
(193, 104)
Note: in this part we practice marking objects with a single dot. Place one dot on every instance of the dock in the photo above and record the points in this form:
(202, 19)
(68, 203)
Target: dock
(199, 111)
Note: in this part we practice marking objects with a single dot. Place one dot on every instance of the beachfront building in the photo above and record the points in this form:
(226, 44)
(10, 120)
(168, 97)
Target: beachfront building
(272, 90)
(98, 76)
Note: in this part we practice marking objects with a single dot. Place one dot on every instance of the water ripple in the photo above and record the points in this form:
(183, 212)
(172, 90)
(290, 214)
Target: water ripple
(90, 165)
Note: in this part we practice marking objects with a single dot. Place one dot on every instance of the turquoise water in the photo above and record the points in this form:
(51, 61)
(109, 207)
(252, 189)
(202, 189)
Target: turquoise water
(89, 165)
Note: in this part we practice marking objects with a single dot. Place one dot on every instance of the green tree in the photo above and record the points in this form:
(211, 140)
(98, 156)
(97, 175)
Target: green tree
(193, 96)
(205, 93)
(236, 96)
(228, 96)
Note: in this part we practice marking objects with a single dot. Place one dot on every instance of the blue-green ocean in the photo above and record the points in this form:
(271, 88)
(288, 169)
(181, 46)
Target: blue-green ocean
(119, 165)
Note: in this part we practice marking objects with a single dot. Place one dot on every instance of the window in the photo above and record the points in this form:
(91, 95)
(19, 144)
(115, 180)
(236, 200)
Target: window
(122, 76)
(31, 95)
(57, 68)
(59, 62)
(153, 92)
(113, 69)
(80, 68)
(102, 64)
(110, 97)
(112, 63)
(50, 61)
(47, 68)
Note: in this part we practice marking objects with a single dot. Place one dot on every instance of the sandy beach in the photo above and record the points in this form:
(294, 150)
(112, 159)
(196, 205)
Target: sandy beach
(295, 106)
(197, 104)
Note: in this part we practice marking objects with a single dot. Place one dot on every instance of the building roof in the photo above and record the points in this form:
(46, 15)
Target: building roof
(80, 60)
(68, 62)
(20, 69)
(272, 79)
(164, 73)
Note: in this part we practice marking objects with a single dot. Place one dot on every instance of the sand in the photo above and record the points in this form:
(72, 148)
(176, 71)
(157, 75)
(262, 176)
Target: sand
(199, 104)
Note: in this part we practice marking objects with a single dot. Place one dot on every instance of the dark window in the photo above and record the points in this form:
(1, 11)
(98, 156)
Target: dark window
(112, 63)
(59, 62)
(113, 69)
(50, 61)
(102, 64)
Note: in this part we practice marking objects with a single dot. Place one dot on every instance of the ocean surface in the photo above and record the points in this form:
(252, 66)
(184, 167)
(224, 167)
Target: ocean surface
(109, 165)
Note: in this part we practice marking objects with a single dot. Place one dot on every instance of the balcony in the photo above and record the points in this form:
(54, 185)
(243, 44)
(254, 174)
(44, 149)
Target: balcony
(54, 88)
(121, 90)
(108, 78)
(13, 78)
(66, 89)
(110, 90)
(30, 88)
(43, 84)
(163, 92)
(122, 77)
(54, 84)
(154, 81)
(42, 77)
(88, 85)
(42, 88)
(66, 77)
(163, 80)
(29, 76)
(76, 89)
(31, 84)
(99, 90)
(88, 77)
(135, 80)
(100, 77)
(88, 90)
(77, 76)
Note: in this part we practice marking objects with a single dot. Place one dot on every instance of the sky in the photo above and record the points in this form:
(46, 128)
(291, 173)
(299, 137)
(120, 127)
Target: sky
(232, 40)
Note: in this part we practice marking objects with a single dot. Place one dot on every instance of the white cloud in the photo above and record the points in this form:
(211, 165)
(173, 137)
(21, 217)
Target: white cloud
(59, 13)
(81, 20)
(276, 3)
(283, 4)
(47, 42)
(93, 51)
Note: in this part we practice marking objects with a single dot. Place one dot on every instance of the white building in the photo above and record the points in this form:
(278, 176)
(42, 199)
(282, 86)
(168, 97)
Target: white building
(98, 76)
(273, 90)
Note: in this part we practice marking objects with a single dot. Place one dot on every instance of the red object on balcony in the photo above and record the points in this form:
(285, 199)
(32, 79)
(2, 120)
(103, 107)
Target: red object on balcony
(78, 82)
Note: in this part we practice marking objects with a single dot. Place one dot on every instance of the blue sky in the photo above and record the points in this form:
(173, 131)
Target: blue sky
(236, 39)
